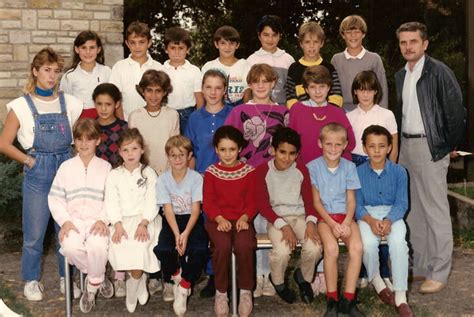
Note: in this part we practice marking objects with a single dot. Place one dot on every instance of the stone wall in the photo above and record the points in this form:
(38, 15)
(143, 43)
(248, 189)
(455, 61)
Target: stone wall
(26, 26)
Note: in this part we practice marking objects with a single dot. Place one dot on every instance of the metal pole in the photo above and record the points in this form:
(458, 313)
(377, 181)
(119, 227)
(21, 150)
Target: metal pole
(234, 287)
(67, 287)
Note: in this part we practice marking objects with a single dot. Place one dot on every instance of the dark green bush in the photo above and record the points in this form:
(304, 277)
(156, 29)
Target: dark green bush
(11, 178)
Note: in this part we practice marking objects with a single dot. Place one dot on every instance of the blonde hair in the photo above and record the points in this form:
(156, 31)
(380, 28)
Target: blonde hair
(332, 127)
(88, 128)
(178, 141)
(47, 56)
(353, 22)
(311, 27)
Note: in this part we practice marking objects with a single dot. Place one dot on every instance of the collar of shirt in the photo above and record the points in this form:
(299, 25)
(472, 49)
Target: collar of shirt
(222, 113)
(306, 63)
(386, 169)
(185, 66)
(361, 111)
(94, 70)
(277, 53)
(358, 56)
(418, 66)
(311, 103)
(272, 167)
(148, 62)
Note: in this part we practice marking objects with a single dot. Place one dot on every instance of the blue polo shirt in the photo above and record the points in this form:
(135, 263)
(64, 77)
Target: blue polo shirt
(200, 130)
(390, 188)
(332, 187)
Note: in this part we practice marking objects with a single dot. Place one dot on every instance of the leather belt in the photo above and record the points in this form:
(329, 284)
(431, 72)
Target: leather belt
(413, 136)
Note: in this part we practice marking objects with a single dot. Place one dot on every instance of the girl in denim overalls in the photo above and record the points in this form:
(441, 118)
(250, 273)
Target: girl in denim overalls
(41, 120)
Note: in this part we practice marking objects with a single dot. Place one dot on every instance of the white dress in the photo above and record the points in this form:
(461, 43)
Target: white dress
(130, 198)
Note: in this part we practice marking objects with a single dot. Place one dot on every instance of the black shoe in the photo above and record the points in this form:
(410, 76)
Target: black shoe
(349, 307)
(209, 290)
(332, 308)
(306, 292)
(286, 294)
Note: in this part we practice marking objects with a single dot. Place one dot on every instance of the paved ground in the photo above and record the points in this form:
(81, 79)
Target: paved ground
(455, 300)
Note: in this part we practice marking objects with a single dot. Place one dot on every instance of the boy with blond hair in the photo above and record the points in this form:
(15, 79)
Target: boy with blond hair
(126, 73)
(311, 38)
(334, 181)
(355, 58)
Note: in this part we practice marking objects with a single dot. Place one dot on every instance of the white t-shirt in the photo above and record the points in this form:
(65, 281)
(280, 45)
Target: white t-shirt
(360, 120)
(20, 107)
(126, 74)
(186, 80)
(81, 84)
(236, 74)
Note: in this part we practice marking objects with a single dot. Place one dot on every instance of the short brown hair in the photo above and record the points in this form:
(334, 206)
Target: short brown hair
(332, 127)
(366, 80)
(311, 27)
(227, 33)
(47, 56)
(155, 77)
(353, 22)
(139, 28)
(317, 74)
(177, 35)
(259, 70)
(88, 128)
(178, 141)
(413, 27)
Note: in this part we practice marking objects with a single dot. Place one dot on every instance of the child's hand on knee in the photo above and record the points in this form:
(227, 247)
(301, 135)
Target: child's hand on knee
(223, 224)
(64, 232)
(345, 230)
(312, 233)
(119, 233)
(141, 234)
(242, 223)
(336, 230)
(288, 235)
(99, 228)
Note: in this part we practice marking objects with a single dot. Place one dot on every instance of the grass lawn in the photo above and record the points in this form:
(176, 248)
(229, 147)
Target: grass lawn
(9, 298)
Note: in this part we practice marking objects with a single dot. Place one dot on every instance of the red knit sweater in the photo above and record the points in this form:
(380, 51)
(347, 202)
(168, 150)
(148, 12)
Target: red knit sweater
(229, 191)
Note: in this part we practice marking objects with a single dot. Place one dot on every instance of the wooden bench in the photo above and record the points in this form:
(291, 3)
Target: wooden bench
(263, 242)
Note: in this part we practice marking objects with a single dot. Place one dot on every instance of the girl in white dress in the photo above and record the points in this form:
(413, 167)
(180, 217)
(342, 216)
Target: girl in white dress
(131, 207)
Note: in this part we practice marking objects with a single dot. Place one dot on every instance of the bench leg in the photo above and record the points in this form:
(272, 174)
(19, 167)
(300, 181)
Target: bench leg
(234, 287)
(67, 288)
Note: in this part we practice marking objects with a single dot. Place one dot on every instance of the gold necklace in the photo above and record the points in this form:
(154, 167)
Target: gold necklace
(153, 116)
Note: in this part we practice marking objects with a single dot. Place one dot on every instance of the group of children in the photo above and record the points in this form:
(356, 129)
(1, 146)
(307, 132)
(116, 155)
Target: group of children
(250, 164)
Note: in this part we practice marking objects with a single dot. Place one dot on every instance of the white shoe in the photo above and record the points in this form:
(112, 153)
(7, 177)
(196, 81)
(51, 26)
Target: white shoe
(87, 302)
(388, 283)
(33, 291)
(155, 286)
(259, 287)
(142, 292)
(168, 292)
(131, 297)
(363, 282)
(120, 288)
(106, 289)
(62, 288)
(180, 298)
(268, 289)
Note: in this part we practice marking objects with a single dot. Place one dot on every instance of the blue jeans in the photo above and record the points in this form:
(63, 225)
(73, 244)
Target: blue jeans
(184, 117)
(397, 246)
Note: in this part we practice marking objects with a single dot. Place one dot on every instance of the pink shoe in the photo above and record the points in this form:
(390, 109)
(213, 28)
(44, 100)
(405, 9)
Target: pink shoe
(315, 285)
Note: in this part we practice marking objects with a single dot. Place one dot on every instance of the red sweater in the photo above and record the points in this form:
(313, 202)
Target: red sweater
(229, 191)
(301, 181)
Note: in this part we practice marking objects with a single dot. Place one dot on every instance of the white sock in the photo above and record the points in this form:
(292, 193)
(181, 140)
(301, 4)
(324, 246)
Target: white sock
(92, 288)
(400, 297)
(219, 293)
(378, 283)
(243, 291)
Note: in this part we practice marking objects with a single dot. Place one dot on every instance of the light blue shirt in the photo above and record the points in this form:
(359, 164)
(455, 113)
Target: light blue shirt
(180, 195)
(332, 187)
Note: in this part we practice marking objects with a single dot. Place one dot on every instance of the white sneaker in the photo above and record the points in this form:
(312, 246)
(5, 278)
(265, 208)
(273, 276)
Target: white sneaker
(120, 288)
(268, 289)
(87, 302)
(259, 287)
(388, 283)
(168, 292)
(131, 297)
(62, 288)
(180, 298)
(142, 292)
(33, 291)
(155, 286)
(106, 289)
(363, 282)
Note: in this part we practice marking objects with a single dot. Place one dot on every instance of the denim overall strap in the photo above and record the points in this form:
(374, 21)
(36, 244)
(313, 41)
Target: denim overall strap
(51, 147)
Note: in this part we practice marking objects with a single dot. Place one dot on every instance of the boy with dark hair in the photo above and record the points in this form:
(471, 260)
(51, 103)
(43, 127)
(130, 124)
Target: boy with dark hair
(126, 73)
(284, 199)
(355, 59)
(270, 31)
(227, 41)
(185, 77)
(311, 38)
(382, 203)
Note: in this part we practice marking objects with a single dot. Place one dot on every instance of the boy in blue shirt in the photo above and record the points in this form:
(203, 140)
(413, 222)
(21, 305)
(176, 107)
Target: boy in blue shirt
(334, 181)
(182, 245)
(382, 202)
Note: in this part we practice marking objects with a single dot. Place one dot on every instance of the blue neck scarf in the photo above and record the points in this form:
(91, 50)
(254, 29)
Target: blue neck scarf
(43, 92)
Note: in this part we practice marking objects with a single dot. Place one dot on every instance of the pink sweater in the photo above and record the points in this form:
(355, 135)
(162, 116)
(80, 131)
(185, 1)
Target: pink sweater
(78, 192)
